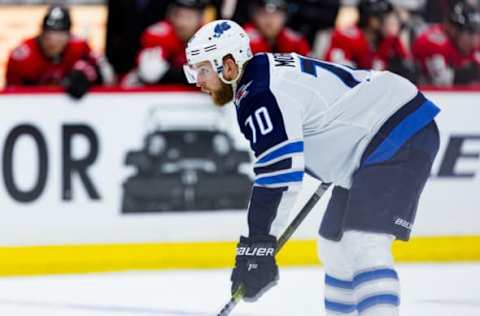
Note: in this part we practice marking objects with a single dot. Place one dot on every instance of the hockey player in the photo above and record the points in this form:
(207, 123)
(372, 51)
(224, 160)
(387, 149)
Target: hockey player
(162, 53)
(449, 53)
(57, 57)
(268, 31)
(372, 134)
(374, 42)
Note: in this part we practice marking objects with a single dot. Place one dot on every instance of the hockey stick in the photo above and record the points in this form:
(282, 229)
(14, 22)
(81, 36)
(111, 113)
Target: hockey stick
(238, 295)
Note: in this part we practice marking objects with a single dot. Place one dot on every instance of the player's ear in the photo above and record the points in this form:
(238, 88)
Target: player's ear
(230, 68)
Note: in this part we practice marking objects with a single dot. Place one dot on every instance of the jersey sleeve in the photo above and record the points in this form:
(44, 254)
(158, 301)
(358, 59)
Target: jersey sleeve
(16, 65)
(272, 124)
(85, 61)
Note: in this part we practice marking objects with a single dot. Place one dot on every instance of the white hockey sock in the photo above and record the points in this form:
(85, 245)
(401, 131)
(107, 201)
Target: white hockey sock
(339, 293)
(339, 297)
(377, 292)
(375, 283)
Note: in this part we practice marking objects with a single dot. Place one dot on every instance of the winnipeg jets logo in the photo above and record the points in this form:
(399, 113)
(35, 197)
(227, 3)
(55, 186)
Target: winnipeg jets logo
(220, 28)
(241, 93)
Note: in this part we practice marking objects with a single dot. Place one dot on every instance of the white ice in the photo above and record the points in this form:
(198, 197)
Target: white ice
(434, 289)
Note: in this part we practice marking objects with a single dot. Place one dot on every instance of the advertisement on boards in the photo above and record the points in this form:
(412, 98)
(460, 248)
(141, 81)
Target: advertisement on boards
(145, 166)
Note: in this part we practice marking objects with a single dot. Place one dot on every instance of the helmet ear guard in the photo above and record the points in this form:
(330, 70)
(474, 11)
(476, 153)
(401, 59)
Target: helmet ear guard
(213, 42)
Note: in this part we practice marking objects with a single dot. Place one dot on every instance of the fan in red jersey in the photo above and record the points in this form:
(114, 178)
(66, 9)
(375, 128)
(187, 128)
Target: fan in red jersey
(449, 53)
(56, 58)
(162, 54)
(374, 42)
(268, 33)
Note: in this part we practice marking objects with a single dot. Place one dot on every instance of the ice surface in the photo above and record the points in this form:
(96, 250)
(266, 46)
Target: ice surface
(434, 289)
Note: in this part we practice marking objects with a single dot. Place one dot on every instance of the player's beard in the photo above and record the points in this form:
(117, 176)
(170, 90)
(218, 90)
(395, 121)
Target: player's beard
(223, 95)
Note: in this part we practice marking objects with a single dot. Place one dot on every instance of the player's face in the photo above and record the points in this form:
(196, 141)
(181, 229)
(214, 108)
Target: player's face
(54, 42)
(269, 22)
(209, 82)
(186, 22)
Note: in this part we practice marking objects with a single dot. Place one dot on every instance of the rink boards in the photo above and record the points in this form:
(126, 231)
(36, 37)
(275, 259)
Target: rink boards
(63, 166)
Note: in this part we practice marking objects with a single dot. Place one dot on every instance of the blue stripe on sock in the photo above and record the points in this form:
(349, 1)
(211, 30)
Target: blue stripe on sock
(402, 132)
(339, 307)
(374, 275)
(331, 281)
(382, 299)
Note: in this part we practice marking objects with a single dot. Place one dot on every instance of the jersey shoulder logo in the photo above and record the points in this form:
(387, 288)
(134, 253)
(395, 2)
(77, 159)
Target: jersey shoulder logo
(220, 28)
(21, 53)
(242, 92)
(437, 37)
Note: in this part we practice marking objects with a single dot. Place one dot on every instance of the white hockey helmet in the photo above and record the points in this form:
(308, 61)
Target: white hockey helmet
(212, 42)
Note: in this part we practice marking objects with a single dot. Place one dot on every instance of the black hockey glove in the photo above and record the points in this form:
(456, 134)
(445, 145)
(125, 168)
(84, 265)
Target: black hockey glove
(76, 84)
(255, 266)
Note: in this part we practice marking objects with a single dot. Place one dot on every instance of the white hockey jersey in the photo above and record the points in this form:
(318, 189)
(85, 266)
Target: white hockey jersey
(303, 115)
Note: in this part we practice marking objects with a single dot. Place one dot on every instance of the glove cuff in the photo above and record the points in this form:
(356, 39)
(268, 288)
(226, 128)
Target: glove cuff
(258, 238)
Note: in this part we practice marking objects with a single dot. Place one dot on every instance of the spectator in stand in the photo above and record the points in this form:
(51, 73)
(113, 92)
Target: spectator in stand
(449, 53)
(315, 19)
(374, 42)
(236, 10)
(56, 57)
(162, 56)
(126, 21)
(268, 32)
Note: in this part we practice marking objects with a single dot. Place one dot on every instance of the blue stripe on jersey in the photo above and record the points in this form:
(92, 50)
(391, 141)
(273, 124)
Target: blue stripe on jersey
(263, 209)
(405, 129)
(374, 275)
(290, 148)
(339, 307)
(296, 176)
(277, 166)
(382, 299)
(334, 282)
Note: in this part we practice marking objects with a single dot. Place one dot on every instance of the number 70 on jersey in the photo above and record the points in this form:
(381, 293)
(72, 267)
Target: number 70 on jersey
(260, 120)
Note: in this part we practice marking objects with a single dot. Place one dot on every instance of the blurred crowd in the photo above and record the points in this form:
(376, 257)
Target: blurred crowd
(433, 42)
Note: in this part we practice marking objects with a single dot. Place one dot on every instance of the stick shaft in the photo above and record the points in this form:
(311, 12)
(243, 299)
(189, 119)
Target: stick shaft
(237, 296)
